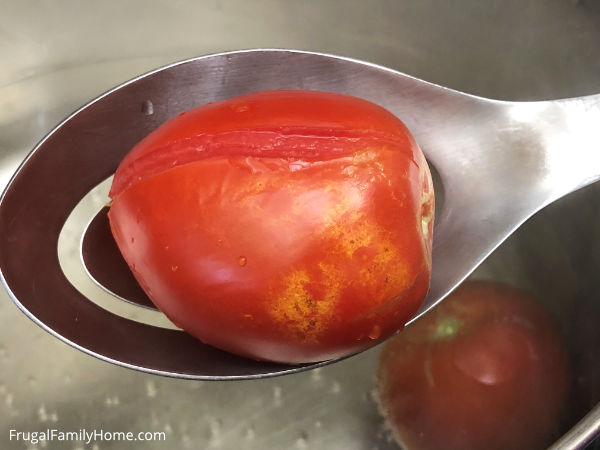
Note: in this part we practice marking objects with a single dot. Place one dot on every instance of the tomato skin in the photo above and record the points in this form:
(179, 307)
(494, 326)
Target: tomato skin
(486, 369)
(300, 233)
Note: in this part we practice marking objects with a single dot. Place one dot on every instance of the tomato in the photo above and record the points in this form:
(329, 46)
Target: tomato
(291, 226)
(486, 369)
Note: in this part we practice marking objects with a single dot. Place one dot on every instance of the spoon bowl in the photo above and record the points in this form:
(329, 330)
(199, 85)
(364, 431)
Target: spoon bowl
(498, 163)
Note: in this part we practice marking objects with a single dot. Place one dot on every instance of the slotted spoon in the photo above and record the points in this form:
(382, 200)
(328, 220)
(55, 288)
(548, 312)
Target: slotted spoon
(498, 163)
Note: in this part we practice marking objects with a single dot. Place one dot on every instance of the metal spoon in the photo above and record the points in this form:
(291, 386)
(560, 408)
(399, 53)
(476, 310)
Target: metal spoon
(499, 163)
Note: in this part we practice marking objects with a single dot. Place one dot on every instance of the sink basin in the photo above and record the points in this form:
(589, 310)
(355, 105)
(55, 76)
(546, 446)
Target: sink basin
(58, 57)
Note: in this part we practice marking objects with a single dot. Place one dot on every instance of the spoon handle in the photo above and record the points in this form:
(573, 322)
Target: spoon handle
(501, 162)
(572, 143)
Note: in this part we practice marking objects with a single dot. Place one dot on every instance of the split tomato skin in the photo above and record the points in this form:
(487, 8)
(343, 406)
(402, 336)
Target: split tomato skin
(486, 369)
(290, 226)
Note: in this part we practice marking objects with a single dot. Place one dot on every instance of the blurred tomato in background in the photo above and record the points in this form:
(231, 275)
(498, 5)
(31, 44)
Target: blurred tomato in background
(486, 369)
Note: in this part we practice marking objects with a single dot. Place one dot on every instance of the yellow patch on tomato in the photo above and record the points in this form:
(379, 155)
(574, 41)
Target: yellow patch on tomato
(304, 300)
(297, 309)
(383, 272)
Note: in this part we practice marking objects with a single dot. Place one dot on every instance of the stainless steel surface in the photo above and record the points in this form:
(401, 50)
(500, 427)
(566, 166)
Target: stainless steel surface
(499, 163)
(582, 433)
(56, 56)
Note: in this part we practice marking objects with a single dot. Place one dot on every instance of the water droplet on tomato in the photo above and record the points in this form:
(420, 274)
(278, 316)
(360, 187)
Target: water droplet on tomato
(147, 108)
(174, 268)
(375, 332)
(242, 261)
(241, 107)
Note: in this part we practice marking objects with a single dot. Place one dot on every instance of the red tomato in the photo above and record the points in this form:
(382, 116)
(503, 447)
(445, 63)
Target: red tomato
(291, 226)
(486, 369)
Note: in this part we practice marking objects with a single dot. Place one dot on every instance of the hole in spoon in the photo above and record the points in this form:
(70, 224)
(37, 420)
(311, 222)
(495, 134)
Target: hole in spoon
(438, 191)
(104, 262)
(126, 302)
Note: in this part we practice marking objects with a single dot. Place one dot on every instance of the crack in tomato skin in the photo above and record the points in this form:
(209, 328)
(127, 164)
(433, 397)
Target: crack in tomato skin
(306, 145)
(305, 125)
